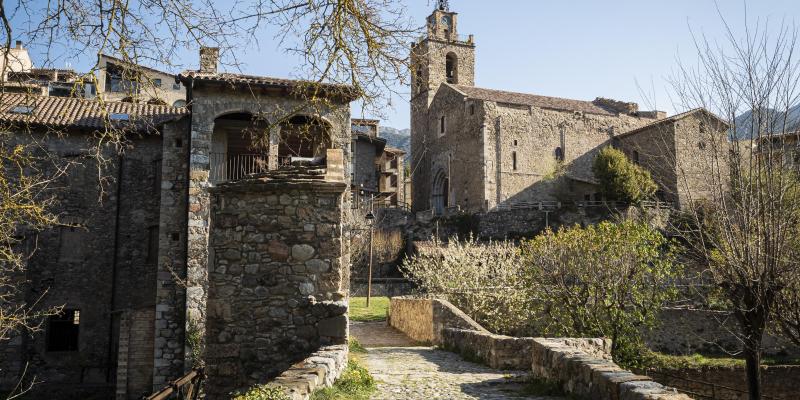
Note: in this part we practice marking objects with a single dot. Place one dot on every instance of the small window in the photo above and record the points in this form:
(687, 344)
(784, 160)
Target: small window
(559, 153)
(152, 245)
(701, 145)
(702, 127)
(442, 125)
(63, 330)
(514, 160)
(636, 157)
(472, 109)
(157, 82)
(515, 142)
(178, 142)
(176, 86)
(157, 176)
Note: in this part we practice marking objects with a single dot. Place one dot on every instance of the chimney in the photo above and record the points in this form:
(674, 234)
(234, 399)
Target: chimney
(209, 56)
(19, 44)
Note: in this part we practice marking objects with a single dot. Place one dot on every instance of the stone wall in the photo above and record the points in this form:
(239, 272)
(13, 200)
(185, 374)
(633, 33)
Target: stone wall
(582, 371)
(385, 287)
(720, 383)
(496, 351)
(424, 319)
(320, 370)
(277, 281)
(686, 331)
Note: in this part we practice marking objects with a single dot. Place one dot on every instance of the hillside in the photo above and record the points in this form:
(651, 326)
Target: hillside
(744, 122)
(399, 138)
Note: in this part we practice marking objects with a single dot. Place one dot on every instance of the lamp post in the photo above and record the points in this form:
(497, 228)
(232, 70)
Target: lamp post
(370, 218)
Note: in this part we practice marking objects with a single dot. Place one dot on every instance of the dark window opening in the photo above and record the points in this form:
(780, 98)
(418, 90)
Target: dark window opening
(701, 145)
(157, 176)
(441, 125)
(62, 330)
(451, 68)
(514, 160)
(636, 157)
(472, 109)
(178, 143)
(559, 154)
(152, 245)
(121, 80)
(419, 78)
(157, 82)
(515, 142)
(702, 127)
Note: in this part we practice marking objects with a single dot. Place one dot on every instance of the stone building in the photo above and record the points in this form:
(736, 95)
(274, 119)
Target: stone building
(478, 149)
(377, 170)
(140, 283)
(121, 80)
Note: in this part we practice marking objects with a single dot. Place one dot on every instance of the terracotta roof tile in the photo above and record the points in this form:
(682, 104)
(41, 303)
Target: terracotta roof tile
(83, 113)
(242, 79)
(673, 118)
(553, 103)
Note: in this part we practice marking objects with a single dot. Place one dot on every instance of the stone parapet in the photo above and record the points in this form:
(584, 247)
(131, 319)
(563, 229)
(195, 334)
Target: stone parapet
(583, 368)
(424, 319)
(319, 370)
(496, 351)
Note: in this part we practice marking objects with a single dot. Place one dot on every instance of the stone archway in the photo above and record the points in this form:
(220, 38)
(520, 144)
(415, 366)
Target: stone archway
(239, 146)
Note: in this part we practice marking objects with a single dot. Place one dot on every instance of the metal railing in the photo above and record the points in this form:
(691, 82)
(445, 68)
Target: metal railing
(186, 387)
(226, 167)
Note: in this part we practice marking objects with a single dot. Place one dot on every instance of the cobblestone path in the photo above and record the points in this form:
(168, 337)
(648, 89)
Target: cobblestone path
(404, 371)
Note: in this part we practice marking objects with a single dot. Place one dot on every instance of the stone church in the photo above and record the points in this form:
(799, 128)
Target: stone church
(476, 149)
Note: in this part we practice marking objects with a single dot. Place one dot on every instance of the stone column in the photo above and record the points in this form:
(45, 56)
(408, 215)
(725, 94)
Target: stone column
(274, 140)
(277, 279)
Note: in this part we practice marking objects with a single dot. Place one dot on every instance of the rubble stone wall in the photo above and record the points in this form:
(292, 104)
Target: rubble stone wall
(277, 279)
(720, 383)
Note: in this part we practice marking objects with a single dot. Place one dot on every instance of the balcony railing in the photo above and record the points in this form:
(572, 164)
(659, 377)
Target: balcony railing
(234, 167)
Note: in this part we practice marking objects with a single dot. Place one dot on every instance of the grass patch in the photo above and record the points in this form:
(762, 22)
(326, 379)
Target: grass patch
(355, 346)
(697, 361)
(377, 310)
(355, 384)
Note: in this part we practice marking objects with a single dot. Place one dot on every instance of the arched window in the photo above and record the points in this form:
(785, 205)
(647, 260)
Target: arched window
(419, 78)
(451, 68)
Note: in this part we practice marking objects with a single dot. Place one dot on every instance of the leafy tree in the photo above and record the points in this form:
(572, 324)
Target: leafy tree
(620, 179)
(606, 280)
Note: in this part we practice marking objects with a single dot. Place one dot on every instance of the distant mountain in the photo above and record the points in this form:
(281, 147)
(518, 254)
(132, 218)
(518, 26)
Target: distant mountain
(745, 121)
(399, 138)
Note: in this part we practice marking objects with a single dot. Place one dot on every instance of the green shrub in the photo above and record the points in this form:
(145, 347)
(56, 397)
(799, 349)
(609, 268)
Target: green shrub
(355, 384)
(620, 179)
(262, 392)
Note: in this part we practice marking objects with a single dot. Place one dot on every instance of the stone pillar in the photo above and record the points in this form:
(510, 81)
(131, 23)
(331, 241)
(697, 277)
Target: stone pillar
(169, 302)
(274, 140)
(277, 279)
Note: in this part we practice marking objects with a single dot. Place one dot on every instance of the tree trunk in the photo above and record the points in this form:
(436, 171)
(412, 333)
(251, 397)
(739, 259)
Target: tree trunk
(753, 364)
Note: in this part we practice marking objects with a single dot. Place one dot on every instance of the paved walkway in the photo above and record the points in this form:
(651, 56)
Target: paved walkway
(408, 372)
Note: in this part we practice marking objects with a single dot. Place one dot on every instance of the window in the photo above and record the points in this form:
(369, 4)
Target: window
(559, 153)
(472, 109)
(70, 247)
(702, 127)
(701, 145)
(442, 125)
(157, 82)
(636, 157)
(451, 68)
(179, 103)
(515, 142)
(176, 86)
(514, 160)
(157, 176)
(63, 329)
(393, 181)
(152, 245)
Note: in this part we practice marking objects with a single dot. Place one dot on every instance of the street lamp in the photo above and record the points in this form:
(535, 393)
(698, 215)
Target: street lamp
(370, 219)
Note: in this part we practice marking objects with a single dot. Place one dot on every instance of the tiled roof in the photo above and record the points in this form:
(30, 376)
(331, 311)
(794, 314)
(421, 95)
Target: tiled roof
(82, 113)
(553, 103)
(240, 79)
(673, 118)
(394, 150)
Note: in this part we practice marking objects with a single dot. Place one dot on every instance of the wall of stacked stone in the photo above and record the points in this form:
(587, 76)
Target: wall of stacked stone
(277, 279)
(320, 370)
(729, 383)
(580, 371)
(706, 332)
(385, 287)
(424, 319)
(496, 351)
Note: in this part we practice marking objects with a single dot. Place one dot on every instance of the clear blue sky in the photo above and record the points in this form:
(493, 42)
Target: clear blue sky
(574, 49)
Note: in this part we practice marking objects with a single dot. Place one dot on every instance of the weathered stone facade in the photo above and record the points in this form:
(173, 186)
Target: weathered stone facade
(478, 149)
(277, 279)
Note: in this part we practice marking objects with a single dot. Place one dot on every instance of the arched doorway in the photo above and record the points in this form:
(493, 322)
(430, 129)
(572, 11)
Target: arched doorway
(441, 193)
